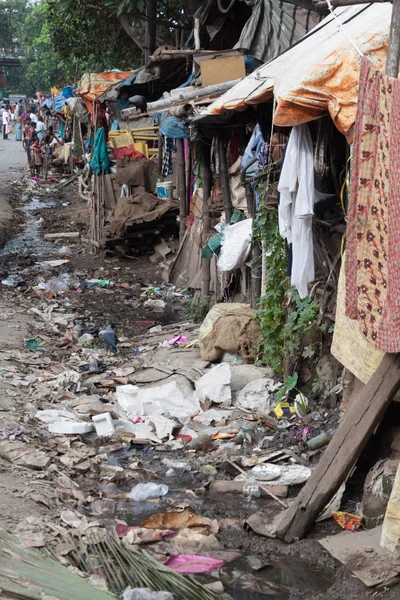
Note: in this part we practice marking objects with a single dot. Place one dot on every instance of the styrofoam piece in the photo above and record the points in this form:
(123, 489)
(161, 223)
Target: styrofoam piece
(103, 424)
(71, 427)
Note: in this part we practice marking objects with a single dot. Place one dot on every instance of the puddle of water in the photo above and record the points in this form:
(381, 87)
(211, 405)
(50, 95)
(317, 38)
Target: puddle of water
(36, 204)
(30, 238)
(283, 578)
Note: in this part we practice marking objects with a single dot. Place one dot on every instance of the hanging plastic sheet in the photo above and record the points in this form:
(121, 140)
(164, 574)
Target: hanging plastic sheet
(173, 127)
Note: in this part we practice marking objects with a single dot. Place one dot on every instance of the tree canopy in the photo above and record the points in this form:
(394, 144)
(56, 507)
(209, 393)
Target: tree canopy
(59, 39)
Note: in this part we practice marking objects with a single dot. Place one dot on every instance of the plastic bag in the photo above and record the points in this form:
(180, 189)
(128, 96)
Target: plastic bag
(236, 244)
(146, 594)
(144, 491)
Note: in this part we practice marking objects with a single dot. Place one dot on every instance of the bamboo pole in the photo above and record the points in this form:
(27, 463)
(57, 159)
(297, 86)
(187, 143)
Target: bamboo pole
(181, 187)
(206, 178)
(223, 171)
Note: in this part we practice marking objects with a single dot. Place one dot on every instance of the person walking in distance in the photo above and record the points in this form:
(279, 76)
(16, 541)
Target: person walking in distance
(6, 120)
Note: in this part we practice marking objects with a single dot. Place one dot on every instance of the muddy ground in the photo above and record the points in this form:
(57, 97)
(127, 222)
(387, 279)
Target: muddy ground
(32, 500)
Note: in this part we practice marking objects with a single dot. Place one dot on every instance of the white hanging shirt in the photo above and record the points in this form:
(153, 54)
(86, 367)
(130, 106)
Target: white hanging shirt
(296, 205)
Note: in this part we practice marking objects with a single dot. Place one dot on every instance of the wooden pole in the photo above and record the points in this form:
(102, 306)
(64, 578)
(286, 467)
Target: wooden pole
(255, 250)
(181, 186)
(393, 53)
(207, 183)
(223, 172)
(188, 177)
(185, 96)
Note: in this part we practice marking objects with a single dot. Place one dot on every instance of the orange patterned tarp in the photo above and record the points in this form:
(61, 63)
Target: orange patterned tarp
(319, 75)
(92, 85)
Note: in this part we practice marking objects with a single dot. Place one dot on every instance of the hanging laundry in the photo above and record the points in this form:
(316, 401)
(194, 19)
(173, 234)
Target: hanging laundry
(167, 156)
(296, 206)
(373, 232)
(100, 160)
(252, 152)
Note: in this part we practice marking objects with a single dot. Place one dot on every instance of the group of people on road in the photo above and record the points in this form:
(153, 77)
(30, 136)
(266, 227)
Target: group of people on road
(31, 129)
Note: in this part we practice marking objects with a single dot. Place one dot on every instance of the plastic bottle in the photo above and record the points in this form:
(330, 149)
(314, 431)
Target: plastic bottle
(320, 440)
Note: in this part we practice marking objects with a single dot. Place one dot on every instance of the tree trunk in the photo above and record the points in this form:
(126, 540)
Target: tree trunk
(129, 30)
(151, 30)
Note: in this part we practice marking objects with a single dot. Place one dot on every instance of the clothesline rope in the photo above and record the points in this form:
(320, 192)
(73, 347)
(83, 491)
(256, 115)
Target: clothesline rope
(342, 27)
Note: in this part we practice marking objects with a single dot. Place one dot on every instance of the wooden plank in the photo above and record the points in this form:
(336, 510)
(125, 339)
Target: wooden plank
(355, 429)
(62, 234)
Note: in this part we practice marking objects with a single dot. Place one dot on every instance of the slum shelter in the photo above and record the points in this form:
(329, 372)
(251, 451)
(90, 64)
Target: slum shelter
(340, 75)
(226, 45)
(128, 216)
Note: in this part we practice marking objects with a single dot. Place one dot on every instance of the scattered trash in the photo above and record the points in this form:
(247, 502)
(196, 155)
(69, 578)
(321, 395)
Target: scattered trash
(94, 283)
(347, 520)
(93, 366)
(214, 386)
(179, 339)
(110, 338)
(103, 424)
(63, 421)
(146, 594)
(266, 472)
(144, 491)
(11, 434)
(53, 263)
(251, 488)
(182, 519)
(65, 251)
(156, 329)
(86, 339)
(190, 563)
(320, 440)
(34, 346)
(155, 305)
(258, 396)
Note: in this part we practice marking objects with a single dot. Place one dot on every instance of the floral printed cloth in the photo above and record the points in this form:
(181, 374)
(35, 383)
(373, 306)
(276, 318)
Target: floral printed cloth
(373, 234)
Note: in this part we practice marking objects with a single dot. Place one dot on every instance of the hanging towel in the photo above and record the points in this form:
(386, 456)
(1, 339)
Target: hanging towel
(100, 160)
(296, 206)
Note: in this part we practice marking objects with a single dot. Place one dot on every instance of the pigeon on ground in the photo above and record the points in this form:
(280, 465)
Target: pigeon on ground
(110, 338)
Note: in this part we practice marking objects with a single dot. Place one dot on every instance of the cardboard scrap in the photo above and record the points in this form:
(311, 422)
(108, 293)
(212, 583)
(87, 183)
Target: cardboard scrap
(361, 553)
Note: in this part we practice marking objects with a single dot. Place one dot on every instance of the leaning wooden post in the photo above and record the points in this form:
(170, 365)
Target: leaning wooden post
(365, 411)
(205, 217)
(223, 173)
(181, 186)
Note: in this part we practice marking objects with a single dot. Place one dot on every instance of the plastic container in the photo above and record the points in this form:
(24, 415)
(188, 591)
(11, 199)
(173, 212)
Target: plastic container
(251, 488)
(165, 189)
(320, 440)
